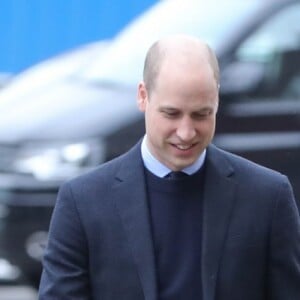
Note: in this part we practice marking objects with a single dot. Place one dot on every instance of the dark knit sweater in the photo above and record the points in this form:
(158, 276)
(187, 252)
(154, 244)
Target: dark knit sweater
(176, 218)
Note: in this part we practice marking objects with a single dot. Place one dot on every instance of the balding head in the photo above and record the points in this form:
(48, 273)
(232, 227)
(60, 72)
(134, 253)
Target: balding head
(180, 98)
(177, 49)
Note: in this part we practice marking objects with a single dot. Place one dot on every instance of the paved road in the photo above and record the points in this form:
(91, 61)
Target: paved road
(17, 293)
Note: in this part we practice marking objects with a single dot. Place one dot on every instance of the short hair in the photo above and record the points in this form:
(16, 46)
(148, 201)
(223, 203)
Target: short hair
(213, 61)
(152, 65)
(154, 59)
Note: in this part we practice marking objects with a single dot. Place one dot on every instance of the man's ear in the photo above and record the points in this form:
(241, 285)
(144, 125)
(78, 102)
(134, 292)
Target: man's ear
(142, 96)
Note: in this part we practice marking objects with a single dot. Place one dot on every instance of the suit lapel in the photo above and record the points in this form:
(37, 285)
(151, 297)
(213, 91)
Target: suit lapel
(219, 195)
(129, 193)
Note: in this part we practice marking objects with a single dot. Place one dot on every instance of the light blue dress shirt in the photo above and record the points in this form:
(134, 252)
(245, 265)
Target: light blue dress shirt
(159, 169)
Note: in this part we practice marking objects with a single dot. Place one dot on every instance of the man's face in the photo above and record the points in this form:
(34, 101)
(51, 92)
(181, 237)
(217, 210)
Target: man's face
(180, 113)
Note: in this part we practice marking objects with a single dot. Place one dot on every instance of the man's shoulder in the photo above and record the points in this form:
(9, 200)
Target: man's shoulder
(106, 172)
(244, 168)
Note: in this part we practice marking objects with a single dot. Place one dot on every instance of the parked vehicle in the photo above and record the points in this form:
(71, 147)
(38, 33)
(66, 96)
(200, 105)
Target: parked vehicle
(88, 117)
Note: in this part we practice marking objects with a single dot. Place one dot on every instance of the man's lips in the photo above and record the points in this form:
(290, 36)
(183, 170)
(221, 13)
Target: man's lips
(184, 147)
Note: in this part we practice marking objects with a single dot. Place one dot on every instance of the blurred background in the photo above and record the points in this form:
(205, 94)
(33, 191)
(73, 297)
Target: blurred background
(68, 76)
(31, 31)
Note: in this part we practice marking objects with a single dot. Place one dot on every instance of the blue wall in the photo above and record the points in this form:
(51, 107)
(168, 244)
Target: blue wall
(32, 30)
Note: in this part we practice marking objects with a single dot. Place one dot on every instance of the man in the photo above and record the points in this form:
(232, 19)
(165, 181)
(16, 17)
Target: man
(227, 230)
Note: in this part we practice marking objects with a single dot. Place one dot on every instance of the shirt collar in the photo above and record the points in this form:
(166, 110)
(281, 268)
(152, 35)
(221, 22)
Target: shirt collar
(159, 169)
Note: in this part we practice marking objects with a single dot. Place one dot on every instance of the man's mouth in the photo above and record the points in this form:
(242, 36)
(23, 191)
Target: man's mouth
(184, 147)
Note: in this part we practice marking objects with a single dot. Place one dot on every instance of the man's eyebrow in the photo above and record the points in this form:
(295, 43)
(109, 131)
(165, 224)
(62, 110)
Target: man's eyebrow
(204, 109)
(168, 108)
(174, 109)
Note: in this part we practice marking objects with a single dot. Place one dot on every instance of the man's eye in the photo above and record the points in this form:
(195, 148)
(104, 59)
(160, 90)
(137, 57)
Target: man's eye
(203, 115)
(170, 114)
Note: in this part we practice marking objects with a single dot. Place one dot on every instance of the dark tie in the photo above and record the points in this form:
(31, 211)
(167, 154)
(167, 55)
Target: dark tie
(176, 175)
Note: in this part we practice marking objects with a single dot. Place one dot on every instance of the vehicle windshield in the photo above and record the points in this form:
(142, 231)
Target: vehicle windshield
(213, 21)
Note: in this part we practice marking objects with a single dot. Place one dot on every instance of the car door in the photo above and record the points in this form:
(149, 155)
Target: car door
(259, 115)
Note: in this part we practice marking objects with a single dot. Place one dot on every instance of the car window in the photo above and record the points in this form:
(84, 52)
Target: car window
(276, 46)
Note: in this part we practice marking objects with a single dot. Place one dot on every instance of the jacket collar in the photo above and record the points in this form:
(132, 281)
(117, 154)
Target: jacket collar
(129, 194)
(219, 199)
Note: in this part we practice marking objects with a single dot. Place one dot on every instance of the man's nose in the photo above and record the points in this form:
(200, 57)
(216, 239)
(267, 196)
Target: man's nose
(186, 130)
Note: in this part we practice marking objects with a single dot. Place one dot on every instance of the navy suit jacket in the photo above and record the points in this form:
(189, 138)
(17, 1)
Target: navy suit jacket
(100, 244)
